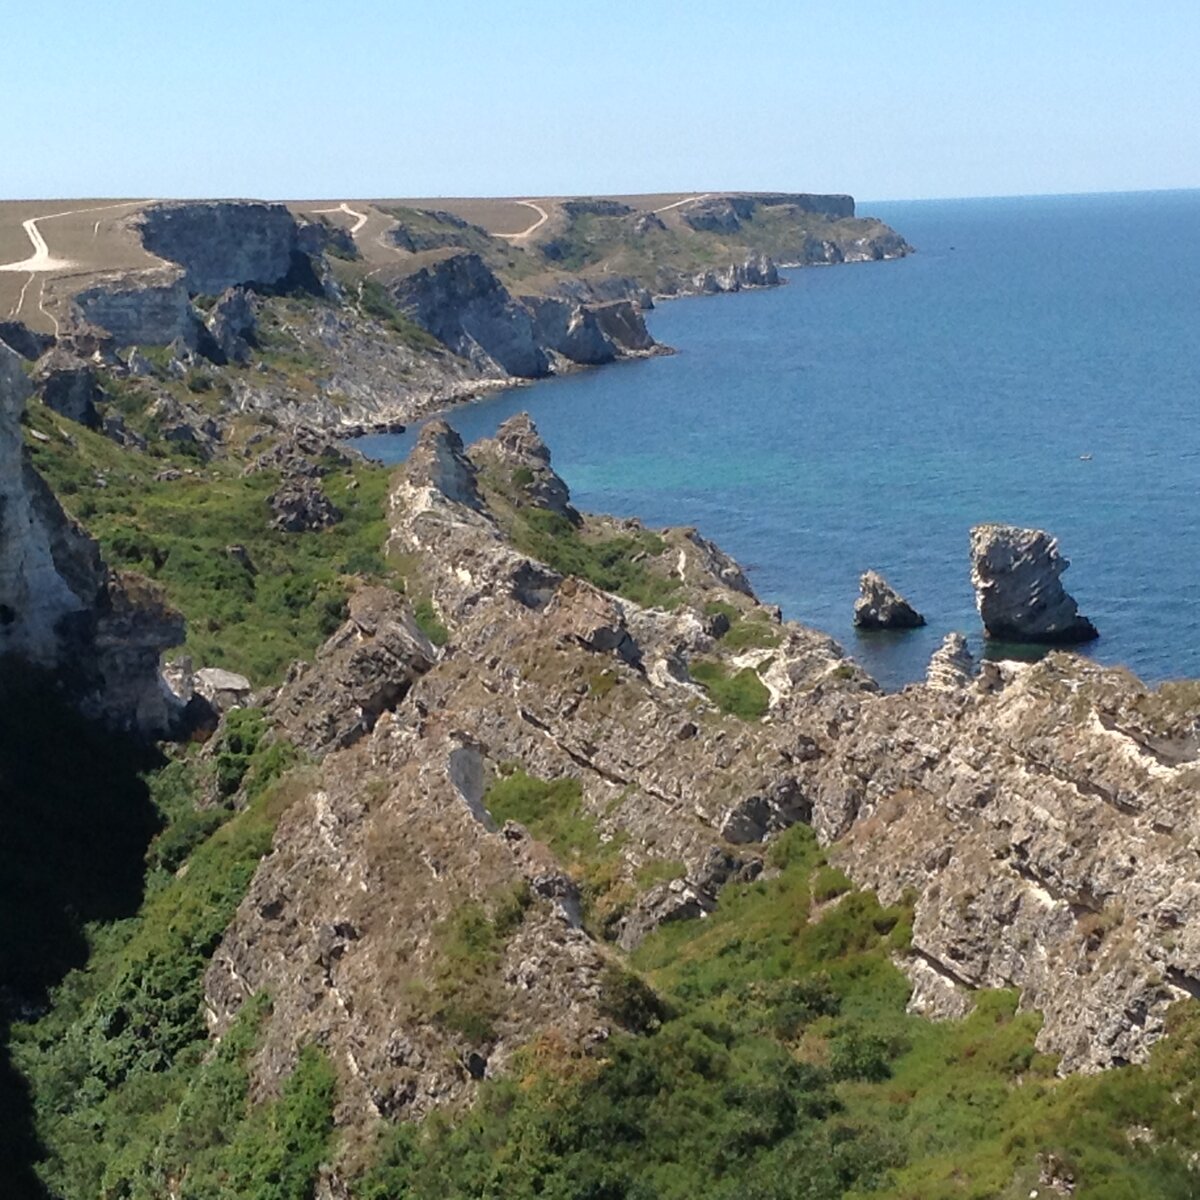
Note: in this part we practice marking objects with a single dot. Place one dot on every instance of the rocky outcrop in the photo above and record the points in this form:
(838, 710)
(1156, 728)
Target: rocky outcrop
(427, 229)
(300, 505)
(16, 335)
(146, 308)
(571, 330)
(518, 453)
(61, 609)
(462, 303)
(757, 270)
(363, 671)
(68, 385)
(231, 327)
(589, 334)
(1042, 818)
(1015, 573)
(394, 836)
(880, 606)
(621, 321)
(951, 666)
(865, 241)
(222, 243)
(725, 214)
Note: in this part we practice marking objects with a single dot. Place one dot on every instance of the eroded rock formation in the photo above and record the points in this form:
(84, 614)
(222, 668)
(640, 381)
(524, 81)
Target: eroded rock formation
(1039, 818)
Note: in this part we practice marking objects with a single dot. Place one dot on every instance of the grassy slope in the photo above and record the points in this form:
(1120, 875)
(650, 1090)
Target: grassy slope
(176, 532)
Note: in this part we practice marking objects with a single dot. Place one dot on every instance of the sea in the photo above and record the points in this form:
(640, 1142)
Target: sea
(1037, 361)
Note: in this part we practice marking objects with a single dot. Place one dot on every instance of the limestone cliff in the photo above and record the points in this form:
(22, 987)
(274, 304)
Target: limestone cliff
(60, 607)
(221, 244)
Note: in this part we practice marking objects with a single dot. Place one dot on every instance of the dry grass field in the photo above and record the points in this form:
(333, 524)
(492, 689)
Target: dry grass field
(71, 241)
(82, 238)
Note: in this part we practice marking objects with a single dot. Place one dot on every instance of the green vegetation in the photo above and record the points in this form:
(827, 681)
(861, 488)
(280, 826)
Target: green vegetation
(254, 614)
(552, 811)
(742, 694)
(616, 564)
(117, 1053)
(746, 632)
(466, 993)
(426, 617)
(776, 1060)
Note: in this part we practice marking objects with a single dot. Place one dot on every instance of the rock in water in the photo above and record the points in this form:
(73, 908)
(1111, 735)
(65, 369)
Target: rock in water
(1015, 573)
(881, 607)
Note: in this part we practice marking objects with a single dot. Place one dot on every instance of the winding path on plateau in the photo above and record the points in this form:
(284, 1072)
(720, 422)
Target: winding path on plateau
(543, 217)
(360, 218)
(42, 261)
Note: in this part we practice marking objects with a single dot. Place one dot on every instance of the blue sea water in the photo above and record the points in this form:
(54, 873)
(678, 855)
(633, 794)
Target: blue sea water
(868, 415)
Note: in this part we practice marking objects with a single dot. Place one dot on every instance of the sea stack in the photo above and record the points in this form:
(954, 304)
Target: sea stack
(881, 607)
(1015, 573)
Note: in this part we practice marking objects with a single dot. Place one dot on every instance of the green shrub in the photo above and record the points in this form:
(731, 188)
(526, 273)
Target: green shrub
(616, 564)
(742, 694)
(430, 624)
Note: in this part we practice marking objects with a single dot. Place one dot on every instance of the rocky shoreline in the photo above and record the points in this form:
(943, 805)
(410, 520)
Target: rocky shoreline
(259, 313)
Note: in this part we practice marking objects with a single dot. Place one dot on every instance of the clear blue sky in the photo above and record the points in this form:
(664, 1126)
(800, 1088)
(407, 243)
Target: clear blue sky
(886, 99)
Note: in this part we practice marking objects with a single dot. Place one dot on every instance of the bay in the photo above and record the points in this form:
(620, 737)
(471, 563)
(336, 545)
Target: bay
(866, 416)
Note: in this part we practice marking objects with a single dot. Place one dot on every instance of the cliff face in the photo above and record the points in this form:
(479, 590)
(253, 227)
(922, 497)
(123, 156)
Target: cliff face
(466, 307)
(462, 303)
(149, 308)
(220, 244)
(60, 607)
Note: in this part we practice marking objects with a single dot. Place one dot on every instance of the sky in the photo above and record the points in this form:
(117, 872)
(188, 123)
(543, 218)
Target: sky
(884, 99)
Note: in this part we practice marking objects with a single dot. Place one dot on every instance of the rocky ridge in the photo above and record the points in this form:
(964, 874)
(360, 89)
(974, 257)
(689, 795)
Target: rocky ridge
(1037, 818)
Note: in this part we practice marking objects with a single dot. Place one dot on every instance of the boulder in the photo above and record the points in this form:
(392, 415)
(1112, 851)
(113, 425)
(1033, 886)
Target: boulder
(222, 689)
(880, 606)
(1015, 573)
(300, 505)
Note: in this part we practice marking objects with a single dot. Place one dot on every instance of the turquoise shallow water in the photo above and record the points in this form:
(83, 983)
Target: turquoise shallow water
(867, 416)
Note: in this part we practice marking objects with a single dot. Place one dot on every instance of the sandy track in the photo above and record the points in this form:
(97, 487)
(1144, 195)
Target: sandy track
(41, 258)
(543, 217)
(681, 203)
(360, 217)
